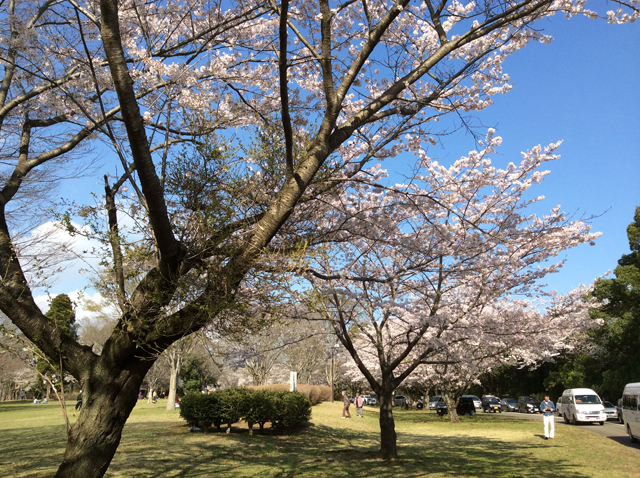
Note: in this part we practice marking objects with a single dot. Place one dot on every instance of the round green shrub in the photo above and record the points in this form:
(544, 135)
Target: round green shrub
(283, 409)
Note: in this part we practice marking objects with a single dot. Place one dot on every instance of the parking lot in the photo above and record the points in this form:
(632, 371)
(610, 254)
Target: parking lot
(611, 429)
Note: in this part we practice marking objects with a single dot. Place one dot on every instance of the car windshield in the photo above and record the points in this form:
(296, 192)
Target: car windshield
(493, 400)
(587, 399)
(435, 399)
(510, 401)
(608, 404)
(531, 400)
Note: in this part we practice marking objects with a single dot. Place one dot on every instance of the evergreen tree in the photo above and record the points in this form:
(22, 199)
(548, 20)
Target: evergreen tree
(619, 338)
(62, 314)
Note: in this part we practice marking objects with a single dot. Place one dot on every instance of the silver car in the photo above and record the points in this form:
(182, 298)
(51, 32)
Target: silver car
(433, 401)
(399, 401)
(370, 400)
(610, 411)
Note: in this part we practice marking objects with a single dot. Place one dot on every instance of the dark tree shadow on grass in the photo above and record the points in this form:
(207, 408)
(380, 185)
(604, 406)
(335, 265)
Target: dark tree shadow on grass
(324, 451)
(31, 452)
(168, 449)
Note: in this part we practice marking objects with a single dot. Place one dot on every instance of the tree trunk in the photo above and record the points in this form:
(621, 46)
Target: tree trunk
(451, 408)
(388, 448)
(176, 364)
(94, 438)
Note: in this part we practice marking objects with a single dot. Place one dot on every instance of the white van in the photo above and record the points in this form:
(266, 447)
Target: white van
(631, 410)
(582, 405)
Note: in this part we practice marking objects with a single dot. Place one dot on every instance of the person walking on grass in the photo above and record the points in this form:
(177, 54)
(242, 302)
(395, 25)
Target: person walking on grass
(547, 407)
(79, 401)
(346, 402)
(359, 403)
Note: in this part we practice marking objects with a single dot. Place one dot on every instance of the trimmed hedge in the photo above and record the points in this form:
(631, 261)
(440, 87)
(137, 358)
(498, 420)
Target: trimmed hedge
(284, 410)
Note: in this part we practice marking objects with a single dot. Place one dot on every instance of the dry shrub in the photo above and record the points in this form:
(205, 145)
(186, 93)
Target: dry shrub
(315, 393)
(274, 386)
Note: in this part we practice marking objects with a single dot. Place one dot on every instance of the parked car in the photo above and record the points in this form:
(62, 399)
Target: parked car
(491, 404)
(509, 404)
(476, 401)
(559, 406)
(370, 400)
(433, 401)
(630, 403)
(582, 405)
(399, 400)
(527, 404)
(465, 405)
(441, 407)
(610, 411)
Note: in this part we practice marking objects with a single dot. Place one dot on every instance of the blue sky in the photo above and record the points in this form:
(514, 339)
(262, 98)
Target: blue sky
(583, 89)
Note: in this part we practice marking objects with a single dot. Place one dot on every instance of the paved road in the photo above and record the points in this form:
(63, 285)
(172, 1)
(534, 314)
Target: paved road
(610, 429)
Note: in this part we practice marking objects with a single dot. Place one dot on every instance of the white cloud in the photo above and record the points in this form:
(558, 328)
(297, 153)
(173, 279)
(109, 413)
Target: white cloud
(56, 261)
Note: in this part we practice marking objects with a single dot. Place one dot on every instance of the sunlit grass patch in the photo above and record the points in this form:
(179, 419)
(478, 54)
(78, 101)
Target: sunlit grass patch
(157, 442)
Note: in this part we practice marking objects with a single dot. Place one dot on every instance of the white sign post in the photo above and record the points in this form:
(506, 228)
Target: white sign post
(293, 381)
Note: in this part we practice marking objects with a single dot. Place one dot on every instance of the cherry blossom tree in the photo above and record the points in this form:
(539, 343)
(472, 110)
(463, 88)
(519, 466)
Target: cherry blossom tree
(444, 270)
(336, 85)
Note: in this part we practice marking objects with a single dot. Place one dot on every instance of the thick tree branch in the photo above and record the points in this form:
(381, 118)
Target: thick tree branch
(170, 250)
(284, 89)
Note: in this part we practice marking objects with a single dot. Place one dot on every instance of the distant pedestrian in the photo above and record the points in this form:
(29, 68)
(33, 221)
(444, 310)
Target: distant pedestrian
(547, 407)
(79, 401)
(359, 403)
(346, 402)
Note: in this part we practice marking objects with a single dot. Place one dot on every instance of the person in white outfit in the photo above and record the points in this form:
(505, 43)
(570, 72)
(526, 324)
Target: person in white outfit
(548, 408)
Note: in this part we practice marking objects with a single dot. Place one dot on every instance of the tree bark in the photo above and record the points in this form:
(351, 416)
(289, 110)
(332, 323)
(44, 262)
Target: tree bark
(388, 447)
(94, 438)
(451, 408)
(176, 365)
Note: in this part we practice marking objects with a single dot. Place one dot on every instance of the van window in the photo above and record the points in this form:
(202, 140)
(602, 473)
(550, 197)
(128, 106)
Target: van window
(630, 402)
(587, 399)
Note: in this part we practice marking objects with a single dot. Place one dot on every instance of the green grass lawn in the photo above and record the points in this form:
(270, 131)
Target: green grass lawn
(157, 443)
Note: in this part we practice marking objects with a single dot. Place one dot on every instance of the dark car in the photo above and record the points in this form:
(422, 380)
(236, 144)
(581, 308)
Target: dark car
(527, 404)
(509, 404)
(465, 405)
(491, 404)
